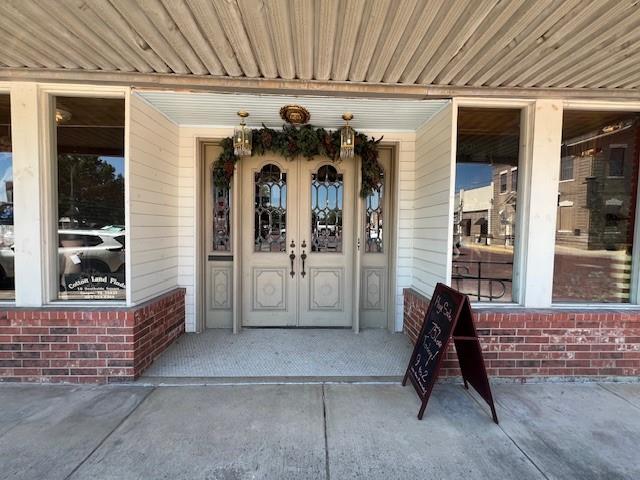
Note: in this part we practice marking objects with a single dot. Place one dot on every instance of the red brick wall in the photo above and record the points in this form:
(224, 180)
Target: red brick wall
(95, 345)
(523, 343)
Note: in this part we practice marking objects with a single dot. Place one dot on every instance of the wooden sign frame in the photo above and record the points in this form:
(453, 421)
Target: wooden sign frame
(468, 350)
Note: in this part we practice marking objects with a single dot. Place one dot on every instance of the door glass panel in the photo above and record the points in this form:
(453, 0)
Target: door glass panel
(221, 219)
(270, 209)
(373, 218)
(327, 190)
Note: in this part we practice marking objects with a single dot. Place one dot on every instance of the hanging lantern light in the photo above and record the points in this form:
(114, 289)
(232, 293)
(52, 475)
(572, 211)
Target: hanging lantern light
(242, 137)
(347, 138)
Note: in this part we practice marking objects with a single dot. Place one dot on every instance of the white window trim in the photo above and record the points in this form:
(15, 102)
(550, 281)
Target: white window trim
(48, 182)
(527, 106)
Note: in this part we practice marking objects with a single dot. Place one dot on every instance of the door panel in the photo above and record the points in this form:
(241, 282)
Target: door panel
(269, 226)
(327, 202)
(218, 270)
(374, 258)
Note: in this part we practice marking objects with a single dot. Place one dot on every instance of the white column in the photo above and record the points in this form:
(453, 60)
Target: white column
(27, 194)
(543, 145)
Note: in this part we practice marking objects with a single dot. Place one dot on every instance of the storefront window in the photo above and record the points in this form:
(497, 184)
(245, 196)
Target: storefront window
(486, 198)
(7, 288)
(91, 227)
(596, 211)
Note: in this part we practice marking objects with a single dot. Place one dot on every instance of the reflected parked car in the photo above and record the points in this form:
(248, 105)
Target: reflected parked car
(80, 251)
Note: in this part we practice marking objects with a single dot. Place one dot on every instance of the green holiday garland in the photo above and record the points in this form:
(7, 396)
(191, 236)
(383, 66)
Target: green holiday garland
(307, 141)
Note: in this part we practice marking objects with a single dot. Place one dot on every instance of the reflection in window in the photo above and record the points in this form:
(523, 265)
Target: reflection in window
(91, 232)
(270, 208)
(566, 169)
(594, 234)
(221, 219)
(485, 207)
(326, 210)
(7, 288)
(373, 218)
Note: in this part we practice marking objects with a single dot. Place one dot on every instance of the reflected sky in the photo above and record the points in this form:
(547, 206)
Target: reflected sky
(6, 174)
(116, 162)
(473, 175)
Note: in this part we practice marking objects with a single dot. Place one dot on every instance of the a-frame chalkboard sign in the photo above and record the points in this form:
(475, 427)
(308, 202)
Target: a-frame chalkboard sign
(449, 315)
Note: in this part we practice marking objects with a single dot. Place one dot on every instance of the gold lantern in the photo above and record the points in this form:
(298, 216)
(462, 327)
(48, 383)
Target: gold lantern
(347, 138)
(242, 137)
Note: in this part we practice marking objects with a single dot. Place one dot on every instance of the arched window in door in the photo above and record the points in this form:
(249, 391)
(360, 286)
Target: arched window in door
(270, 209)
(327, 190)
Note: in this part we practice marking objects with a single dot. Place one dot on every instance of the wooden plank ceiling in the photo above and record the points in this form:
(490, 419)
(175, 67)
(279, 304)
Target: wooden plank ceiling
(576, 44)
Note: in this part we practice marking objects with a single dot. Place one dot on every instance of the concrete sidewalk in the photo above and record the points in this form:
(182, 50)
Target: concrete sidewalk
(318, 431)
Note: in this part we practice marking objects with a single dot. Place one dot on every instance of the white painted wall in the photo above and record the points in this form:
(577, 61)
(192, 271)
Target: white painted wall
(433, 201)
(154, 202)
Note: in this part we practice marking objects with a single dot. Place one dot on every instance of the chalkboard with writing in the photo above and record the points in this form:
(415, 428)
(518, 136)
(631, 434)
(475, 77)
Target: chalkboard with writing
(449, 314)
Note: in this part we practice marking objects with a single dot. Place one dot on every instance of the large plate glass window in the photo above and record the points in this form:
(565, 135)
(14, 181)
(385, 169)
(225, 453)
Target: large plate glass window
(7, 288)
(597, 197)
(90, 193)
(486, 201)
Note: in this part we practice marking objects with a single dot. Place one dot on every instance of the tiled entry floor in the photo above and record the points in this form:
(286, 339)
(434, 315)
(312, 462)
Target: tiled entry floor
(319, 353)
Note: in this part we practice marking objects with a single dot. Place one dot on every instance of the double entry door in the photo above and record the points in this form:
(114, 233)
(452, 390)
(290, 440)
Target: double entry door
(298, 227)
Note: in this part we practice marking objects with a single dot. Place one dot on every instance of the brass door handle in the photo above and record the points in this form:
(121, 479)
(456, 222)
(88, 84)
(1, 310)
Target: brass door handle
(292, 257)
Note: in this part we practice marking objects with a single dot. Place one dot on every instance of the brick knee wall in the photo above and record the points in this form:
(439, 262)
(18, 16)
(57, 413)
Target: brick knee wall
(87, 345)
(524, 343)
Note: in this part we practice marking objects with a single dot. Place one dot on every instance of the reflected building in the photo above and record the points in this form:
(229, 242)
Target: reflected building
(598, 173)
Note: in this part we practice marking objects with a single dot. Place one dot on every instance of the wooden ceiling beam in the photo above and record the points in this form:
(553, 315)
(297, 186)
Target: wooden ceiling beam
(325, 37)
(368, 37)
(279, 21)
(58, 32)
(512, 18)
(412, 39)
(448, 16)
(136, 17)
(160, 81)
(23, 49)
(303, 34)
(231, 21)
(206, 17)
(466, 25)
(11, 17)
(520, 45)
(567, 51)
(64, 12)
(158, 16)
(387, 45)
(349, 24)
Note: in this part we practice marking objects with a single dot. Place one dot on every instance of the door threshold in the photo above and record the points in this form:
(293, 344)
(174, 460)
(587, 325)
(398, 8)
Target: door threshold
(228, 381)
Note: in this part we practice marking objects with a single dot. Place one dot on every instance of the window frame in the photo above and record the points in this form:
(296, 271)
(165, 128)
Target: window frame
(616, 146)
(502, 175)
(527, 108)
(573, 171)
(6, 90)
(49, 182)
(634, 290)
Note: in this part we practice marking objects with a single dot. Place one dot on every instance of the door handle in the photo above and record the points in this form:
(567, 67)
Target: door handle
(292, 257)
(303, 257)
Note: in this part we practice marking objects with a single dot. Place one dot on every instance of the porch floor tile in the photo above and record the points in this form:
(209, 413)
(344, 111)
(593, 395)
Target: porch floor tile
(317, 353)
